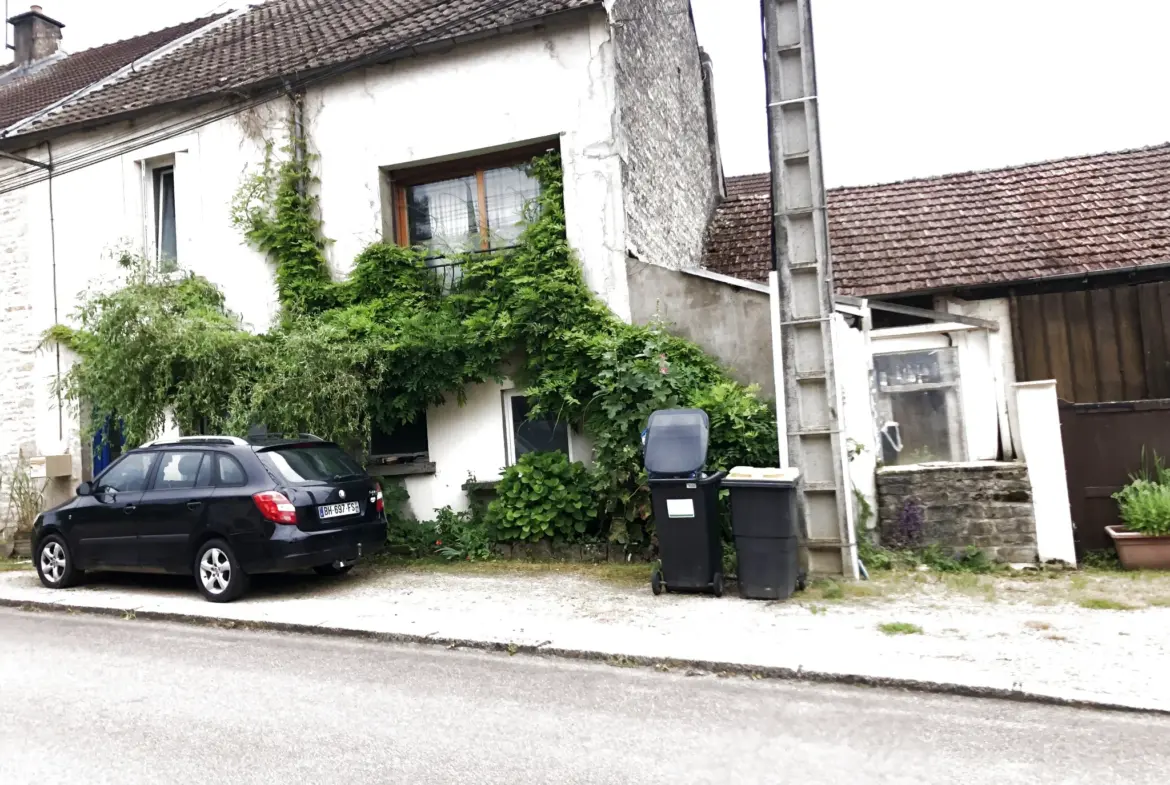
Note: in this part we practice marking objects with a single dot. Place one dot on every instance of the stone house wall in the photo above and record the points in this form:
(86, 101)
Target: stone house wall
(670, 173)
(955, 505)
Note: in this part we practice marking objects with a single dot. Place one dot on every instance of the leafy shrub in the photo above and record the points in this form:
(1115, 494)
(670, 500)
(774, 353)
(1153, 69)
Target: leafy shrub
(542, 496)
(462, 536)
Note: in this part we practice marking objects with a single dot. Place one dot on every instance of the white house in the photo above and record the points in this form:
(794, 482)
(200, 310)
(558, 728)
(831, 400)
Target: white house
(439, 106)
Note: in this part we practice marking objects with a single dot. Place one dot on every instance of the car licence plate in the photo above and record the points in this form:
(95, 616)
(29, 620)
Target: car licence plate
(338, 510)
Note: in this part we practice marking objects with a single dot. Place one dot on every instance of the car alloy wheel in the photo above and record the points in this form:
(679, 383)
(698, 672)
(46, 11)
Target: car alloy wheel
(215, 571)
(53, 561)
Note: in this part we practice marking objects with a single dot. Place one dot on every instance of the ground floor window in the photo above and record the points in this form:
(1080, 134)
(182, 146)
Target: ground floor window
(525, 434)
(405, 442)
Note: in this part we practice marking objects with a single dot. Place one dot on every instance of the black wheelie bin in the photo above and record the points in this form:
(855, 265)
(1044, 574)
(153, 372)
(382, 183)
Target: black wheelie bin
(764, 523)
(685, 502)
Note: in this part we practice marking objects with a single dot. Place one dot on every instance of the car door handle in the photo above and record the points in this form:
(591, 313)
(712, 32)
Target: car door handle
(129, 508)
(194, 505)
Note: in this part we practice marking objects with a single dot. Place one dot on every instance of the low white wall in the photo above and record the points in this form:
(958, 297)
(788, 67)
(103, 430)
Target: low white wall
(1043, 451)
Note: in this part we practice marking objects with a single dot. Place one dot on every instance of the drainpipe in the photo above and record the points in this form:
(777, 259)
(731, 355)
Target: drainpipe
(56, 320)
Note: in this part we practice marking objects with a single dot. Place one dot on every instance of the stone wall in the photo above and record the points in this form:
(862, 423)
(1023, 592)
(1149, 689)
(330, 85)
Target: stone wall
(669, 161)
(987, 505)
(17, 359)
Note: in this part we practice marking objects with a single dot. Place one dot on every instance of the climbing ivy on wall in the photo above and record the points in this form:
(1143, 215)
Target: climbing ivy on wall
(386, 342)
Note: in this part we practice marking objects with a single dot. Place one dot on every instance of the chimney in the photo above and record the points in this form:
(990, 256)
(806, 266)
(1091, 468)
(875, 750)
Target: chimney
(36, 36)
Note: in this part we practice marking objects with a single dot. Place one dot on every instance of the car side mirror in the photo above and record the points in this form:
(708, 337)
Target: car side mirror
(85, 489)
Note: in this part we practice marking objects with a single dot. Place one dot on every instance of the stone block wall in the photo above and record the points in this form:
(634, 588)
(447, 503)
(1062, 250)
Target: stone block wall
(669, 156)
(955, 505)
(17, 347)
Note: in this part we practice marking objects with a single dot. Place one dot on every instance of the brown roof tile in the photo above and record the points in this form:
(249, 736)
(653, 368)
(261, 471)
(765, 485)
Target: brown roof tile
(283, 38)
(23, 93)
(1076, 215)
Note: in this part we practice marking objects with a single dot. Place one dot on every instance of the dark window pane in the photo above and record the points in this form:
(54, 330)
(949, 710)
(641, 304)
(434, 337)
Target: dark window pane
(229, 472)
(543, 434)
(444, 216)
(508, 192)
(166, 235)
(128, 474)
(178, 470)
(406, 439)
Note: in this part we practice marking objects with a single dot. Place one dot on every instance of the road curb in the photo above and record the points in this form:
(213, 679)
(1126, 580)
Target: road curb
(617, 660)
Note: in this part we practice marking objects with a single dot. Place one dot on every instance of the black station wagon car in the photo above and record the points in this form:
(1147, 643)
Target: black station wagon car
(219, 508)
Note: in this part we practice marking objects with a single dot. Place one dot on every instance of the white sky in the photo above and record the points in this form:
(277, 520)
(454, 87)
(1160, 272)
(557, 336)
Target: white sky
(908, 87)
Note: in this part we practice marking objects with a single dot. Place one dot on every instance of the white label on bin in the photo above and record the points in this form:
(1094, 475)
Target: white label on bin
(680, 508)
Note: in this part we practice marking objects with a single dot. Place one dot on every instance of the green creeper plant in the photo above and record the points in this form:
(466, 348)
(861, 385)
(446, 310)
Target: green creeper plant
(387, 342)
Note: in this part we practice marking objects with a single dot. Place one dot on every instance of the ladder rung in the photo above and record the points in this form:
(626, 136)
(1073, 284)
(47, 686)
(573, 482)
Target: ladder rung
(820, 487)
(788, 101)
(797, 156)
(816, 432)
(798, 211)
(816, 320)
(810, 376)
(790, 47)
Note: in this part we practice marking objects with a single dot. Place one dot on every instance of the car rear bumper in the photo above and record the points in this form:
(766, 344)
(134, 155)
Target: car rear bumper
(293, 549)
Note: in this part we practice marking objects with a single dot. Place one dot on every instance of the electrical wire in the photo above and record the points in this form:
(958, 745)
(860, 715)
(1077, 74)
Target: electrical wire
(98, 153)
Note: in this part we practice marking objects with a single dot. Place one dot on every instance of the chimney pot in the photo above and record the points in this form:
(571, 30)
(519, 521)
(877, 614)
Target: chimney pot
(36, 36)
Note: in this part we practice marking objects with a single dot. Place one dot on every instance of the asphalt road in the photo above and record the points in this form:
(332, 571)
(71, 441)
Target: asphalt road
(93, 700)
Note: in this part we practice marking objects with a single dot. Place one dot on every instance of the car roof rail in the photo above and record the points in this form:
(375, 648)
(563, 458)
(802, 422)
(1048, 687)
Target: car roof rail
(233, 440)
(266, 438)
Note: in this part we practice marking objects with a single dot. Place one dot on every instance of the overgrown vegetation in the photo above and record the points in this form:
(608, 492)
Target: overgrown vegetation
(1144, 503)
(26, 494)
(387, 342)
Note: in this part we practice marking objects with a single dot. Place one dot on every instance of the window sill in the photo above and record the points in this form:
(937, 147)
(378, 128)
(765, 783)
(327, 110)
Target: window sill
(402, 469)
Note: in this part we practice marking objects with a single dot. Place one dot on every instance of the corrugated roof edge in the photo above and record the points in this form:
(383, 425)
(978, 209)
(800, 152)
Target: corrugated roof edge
(212, 22)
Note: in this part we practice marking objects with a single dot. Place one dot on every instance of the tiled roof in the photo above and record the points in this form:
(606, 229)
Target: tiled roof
(284, 38)
(27, 91)
(1076, 215)
(746, 184)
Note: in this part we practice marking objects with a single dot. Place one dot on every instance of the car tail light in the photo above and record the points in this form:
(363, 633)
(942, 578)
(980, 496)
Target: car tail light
(276, 507)
(380, 505)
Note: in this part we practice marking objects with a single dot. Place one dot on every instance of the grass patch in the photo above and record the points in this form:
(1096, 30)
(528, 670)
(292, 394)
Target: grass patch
(1103, 604)
(900, 628)
(12, 565)
(615, 573)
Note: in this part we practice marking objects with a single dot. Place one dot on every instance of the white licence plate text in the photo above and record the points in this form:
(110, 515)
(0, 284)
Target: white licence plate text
(338, 510)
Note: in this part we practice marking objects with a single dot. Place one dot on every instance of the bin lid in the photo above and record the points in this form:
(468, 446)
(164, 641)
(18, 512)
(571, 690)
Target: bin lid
(676, 441)
(755, 476)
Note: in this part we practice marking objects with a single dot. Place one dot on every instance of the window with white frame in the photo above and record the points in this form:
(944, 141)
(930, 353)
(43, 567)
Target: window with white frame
(163, 217)
(525, 434)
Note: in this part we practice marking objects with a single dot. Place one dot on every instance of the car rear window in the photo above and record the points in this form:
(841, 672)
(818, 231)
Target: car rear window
(313, 464)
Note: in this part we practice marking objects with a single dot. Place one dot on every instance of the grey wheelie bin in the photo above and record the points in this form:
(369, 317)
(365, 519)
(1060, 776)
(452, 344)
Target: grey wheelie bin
(685, 502)
(763, 521)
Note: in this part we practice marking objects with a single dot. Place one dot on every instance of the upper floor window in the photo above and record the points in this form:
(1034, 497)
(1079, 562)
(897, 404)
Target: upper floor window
(166, 238)
(468, 206)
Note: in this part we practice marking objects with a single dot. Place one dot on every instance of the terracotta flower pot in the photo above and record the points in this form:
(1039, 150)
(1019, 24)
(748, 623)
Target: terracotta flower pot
(1140, 551)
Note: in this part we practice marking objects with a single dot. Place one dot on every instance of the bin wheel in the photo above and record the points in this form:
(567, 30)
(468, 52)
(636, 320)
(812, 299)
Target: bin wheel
(801, 582)
(656, 582)
(717, 585)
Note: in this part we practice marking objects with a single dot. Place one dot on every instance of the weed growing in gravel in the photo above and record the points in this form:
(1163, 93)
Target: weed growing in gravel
(900, 628)
(1102, 604)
